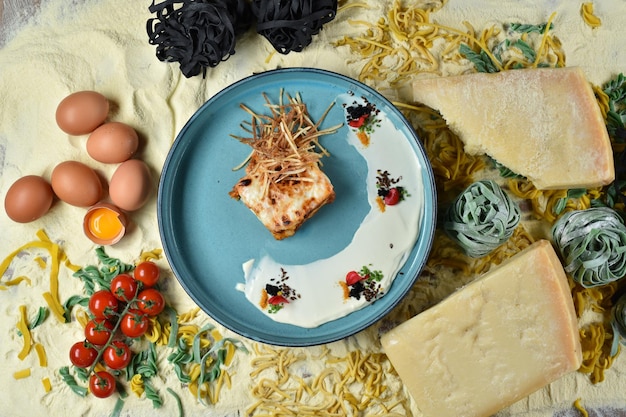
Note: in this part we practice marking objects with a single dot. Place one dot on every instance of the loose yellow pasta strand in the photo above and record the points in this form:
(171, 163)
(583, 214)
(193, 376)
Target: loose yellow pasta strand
(40, 262)
(230, 354)
(7, 261)
(589, 17)
(21, 374)
(41, 355)
(218, 386)
(82, 317)
(351, 5)
(541, 49)
(469, 37)
(194, 371)
(22, 326)
(47, 386)
(71, 266)
(56, 255)
(15, 281)
(55, 306)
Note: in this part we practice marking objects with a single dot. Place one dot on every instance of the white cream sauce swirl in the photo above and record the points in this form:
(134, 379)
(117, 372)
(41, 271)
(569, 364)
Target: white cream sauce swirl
(382, 242)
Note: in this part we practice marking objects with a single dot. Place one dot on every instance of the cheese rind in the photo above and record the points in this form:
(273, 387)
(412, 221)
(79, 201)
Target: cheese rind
(495, 341)
(544, 124)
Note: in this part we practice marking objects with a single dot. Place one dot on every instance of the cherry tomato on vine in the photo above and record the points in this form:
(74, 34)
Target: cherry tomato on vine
(82, 354)
(124, 287)
(98, 331)
(103, 304)
(150, 302)
(134, 323)
(102, 384)
(147, 272)
(117, 355)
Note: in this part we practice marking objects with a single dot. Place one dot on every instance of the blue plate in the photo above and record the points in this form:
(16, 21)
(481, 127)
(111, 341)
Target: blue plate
(207, 235)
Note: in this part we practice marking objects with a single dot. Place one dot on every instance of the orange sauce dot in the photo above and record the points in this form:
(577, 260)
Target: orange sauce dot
(104, 223)
(364, 138)
(381, 204)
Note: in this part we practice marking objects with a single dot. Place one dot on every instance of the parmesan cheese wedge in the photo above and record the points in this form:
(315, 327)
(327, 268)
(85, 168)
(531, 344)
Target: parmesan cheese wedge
(493, 342)
(544, 124)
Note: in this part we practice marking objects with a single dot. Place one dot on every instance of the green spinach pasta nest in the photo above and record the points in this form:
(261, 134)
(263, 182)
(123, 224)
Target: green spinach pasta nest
(592, 243)
(481, 218)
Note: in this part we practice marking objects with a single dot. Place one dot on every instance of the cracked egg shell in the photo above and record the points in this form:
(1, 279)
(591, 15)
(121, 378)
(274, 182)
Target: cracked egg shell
(105, 224)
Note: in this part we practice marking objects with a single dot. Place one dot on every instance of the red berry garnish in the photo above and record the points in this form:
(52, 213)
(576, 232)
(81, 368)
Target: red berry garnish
(277, 299)
(353, 277)
(393, 197)
(356, 123)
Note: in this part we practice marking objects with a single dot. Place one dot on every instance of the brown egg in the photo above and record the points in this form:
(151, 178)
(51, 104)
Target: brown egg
(105, 224)
(28, 199)
(112, 143)
(130, 185)
(82, 112)
(76, 184)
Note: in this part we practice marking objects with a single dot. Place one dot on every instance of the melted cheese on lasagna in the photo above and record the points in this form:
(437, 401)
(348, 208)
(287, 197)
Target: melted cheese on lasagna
(287, 204)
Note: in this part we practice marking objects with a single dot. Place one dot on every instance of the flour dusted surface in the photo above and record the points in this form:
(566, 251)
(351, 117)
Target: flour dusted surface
(102, 45)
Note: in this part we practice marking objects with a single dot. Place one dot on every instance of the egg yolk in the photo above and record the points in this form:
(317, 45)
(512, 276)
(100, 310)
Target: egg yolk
(104, 223)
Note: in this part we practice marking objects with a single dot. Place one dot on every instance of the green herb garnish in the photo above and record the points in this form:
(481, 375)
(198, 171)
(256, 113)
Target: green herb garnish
(274, 308)
(375, 275)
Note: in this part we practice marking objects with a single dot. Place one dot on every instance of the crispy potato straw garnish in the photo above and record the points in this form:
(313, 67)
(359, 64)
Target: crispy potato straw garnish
(285, 143)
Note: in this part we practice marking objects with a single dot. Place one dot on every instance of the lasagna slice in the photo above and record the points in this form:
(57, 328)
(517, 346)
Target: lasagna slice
(285, 205)
(284, 185)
